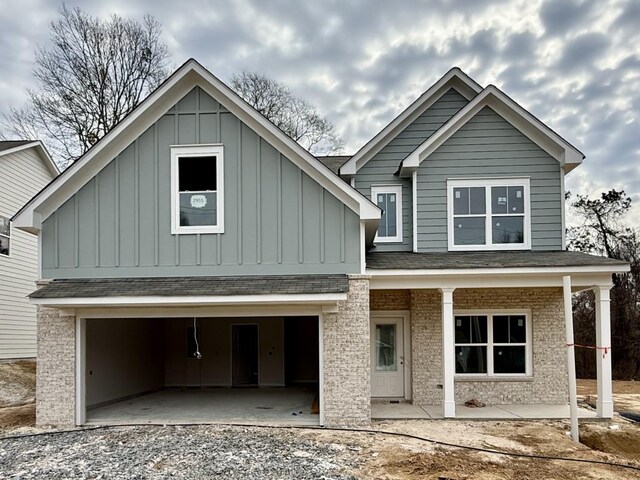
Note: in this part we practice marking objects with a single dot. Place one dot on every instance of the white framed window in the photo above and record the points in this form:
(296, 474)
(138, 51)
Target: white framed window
(389, 199)
(197, 189)
(494, 343)
(5, 236)
(489, 214)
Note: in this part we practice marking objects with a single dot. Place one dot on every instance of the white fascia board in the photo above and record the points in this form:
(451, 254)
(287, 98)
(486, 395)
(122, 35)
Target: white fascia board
(42, 151)
(566, 154)
(165, 301)
(191, 74)
(454, 78)
(607, 269)
(580, 281)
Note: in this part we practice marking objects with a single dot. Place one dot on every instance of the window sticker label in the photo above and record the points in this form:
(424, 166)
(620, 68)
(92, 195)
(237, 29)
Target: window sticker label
(502, 200)
(458, 322)
(520, 322)
(381, 198)
(392, 198)
(457, 193)
(518, 193)
(198, 201)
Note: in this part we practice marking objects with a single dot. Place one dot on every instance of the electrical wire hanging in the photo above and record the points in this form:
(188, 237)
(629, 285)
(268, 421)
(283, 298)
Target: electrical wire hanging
(197, 353)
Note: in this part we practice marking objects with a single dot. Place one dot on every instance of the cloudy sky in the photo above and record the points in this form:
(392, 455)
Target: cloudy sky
(574, 64)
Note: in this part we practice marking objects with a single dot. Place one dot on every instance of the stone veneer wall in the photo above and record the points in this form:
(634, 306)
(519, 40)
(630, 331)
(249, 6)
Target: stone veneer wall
(55, 370)
(549, 384)
(390, 300)
(346, 358)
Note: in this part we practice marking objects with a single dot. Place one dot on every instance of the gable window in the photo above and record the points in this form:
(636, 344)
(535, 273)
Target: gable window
(389, 199)
(5, 236)
(489, 214)
(197, 189)
(493, 344)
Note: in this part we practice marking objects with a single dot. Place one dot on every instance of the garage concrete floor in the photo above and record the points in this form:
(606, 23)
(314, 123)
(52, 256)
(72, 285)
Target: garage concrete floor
(269, 406)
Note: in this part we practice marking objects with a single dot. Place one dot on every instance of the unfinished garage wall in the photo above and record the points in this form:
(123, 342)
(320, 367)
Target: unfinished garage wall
(214, 335)
(301, 350)
(548, 385)
(123, 358)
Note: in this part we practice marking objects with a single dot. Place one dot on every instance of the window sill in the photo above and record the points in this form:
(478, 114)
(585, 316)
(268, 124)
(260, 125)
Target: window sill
(469, 378)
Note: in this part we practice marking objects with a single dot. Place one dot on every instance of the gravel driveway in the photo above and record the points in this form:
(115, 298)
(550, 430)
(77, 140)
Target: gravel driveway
(177, 452)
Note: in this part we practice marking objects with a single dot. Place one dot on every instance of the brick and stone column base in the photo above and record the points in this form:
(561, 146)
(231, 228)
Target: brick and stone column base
(55, 371)
(346, 359)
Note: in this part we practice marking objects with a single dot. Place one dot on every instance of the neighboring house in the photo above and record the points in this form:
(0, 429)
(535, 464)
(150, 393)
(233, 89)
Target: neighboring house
(25, 168)
(431, 270)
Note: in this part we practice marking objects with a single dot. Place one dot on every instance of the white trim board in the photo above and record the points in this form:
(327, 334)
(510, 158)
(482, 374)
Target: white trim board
(181, 82)
(454, 78)
(566, 154)
(290, 299)
(42, 151)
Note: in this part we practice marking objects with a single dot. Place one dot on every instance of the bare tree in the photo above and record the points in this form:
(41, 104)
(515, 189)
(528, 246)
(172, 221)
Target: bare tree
(602, 231)
(90, 77)
(294, 116)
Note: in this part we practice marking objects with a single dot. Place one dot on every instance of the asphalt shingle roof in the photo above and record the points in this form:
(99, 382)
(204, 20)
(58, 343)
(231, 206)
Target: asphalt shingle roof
(333, 162)
(193, 286)
(8, 144)
(505, 259)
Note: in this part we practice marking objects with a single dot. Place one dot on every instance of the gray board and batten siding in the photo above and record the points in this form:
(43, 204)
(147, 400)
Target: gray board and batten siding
(278, 220)
(382, 168)
(489, 146)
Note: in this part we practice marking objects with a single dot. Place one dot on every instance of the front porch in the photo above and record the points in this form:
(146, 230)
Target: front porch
(408, 411)
(501, 334)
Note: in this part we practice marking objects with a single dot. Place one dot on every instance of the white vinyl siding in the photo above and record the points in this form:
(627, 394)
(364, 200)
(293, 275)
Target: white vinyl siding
(23, 175)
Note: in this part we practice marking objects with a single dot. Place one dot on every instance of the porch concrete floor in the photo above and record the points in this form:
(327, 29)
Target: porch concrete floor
(269, 406)
(392, 411)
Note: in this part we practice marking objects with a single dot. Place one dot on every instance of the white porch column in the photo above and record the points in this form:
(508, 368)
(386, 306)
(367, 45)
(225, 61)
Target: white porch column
(448, 354)
(604, 405)
(571, 359)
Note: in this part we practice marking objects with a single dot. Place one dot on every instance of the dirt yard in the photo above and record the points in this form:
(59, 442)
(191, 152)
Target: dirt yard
(626, 394)
(356, 455)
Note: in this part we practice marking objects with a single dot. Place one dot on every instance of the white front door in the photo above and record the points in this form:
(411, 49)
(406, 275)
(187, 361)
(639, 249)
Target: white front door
(387, 356)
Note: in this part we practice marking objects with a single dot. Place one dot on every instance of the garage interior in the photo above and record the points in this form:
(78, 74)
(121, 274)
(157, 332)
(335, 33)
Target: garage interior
(202, 370)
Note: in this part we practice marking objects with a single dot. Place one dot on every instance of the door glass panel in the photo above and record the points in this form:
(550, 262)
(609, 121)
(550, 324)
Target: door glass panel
(386, 348)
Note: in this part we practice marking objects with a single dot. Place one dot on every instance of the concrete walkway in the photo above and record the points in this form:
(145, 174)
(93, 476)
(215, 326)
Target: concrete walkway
(394, 411)
(269, 406)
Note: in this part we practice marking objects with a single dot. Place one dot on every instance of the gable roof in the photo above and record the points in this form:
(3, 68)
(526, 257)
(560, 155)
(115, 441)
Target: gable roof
(454, 78)
(7, 147)
(183, 80)
(566, 154)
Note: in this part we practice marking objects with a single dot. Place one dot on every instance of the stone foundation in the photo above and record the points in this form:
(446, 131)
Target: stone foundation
(55, 371)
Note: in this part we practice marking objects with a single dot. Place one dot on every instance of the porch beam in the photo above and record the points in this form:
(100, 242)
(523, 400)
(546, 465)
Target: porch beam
(448, 354)
(604, 404)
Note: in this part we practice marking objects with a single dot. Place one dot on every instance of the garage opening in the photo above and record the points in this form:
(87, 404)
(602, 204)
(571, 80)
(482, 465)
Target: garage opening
(202, 370)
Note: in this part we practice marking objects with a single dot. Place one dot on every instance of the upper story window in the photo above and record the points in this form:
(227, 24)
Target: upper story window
(489, 214)
(389, 199)
(497, 343)
(5, 236)
(197, 189)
